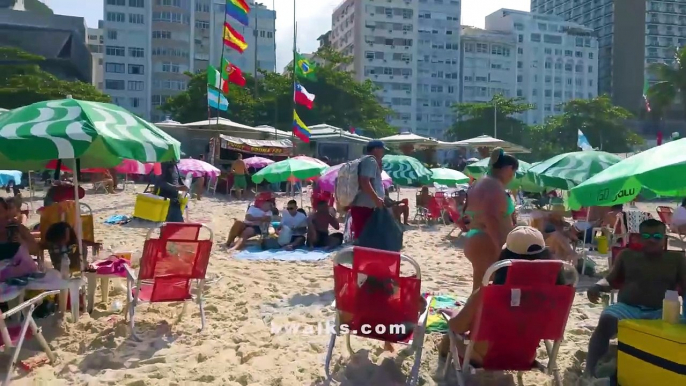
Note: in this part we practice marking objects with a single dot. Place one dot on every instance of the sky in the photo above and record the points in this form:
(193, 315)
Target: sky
(313, 18)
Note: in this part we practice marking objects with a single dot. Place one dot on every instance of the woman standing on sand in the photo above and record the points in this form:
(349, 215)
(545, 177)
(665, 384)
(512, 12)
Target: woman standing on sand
(490, 210)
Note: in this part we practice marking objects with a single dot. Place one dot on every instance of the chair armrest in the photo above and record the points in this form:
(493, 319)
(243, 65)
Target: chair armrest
(130, 274)
(28, 303)
(425, 314)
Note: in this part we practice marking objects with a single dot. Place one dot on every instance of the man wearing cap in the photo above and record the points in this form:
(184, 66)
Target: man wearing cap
(371, 192)
(169, 185)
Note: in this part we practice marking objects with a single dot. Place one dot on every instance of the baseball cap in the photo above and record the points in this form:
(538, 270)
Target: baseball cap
(374, 144)
(524, 240)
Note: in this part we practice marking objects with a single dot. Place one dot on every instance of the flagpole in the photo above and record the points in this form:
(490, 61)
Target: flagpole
(295, 34)
(276, 99)
(221, 56)
(254, 31)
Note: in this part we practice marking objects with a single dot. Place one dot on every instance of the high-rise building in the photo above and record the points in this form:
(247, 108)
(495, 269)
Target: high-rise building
(631, 35)
(150, 44)
(96, 45)
(410, 49)
(556, 61)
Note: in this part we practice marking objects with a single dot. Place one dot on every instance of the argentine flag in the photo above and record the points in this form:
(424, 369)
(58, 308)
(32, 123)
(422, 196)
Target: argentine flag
(582, 142)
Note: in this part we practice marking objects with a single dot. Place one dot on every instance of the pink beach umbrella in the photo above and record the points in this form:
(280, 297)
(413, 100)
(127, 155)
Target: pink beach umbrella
(129, 166)
(257, 162)
(197, 168)
(328, 179)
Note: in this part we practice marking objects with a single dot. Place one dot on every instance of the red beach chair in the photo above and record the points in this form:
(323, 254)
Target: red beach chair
(515, 317)
(167, 267)
(179, 231)
(374, 301)
(14, 337)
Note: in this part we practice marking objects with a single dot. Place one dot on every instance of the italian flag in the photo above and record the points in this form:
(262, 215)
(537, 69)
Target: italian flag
(215, 80)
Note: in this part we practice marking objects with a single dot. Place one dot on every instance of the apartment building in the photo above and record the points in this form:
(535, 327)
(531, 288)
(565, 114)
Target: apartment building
(631, 35)
(410, 49)
(96, 45)
(488, 64)
(150, 44)
(556, 61)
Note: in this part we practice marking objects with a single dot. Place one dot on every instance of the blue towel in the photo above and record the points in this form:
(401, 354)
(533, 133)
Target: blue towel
(256, 253)
(117, 219)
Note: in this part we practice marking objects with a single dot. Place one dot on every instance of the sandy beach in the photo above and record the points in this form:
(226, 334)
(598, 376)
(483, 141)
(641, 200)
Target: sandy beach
(243, 300)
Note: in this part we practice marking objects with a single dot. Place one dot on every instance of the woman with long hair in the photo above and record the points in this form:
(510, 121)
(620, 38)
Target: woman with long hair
(490, 211)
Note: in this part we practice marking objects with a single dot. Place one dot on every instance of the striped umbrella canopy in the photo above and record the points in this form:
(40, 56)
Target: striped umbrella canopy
(197, 168)
(447, 176)
(99, 134)
(565, 171)
(522, 180)
(406, 170)
(299, 169)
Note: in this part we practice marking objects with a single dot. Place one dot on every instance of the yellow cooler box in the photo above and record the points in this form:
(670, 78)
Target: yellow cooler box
(153, 208)
(651, 352)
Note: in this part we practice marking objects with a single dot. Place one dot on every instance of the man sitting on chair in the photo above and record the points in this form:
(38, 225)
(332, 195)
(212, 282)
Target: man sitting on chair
(642, 277)
(399, 208)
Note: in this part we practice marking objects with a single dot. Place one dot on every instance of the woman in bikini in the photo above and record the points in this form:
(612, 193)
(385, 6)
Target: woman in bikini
(490, 212)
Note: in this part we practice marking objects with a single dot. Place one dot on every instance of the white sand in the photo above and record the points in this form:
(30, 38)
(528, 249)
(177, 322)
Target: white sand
(237, 347)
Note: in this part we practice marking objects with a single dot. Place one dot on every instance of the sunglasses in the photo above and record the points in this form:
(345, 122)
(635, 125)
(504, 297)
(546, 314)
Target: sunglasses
(654, 236)
(291, 208)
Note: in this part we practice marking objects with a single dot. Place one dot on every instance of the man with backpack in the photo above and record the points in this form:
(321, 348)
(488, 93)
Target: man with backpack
(359, 186)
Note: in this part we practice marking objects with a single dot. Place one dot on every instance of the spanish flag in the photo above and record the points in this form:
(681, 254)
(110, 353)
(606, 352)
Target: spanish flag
(233, 39)
(238, 9)
(299, 129)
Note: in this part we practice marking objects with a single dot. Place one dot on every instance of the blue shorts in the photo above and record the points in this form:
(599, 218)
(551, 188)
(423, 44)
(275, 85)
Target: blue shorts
(623, 311)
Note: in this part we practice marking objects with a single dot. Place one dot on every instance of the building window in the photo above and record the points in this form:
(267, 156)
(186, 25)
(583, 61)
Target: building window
(536, 37)
(136, 52)
(135, 102)
(121, 3)
(137, 3)
(116, 68)
(111, 84)
(135, 85)
(520, 79)
(590, 55)
(202, 24)
(520, 38)
(520, 50)
(170, 67)
(590, 69)
(115, 51)
(270, 34)
(169, 3)
(161, 34)
(112, 34)
(136, 69)
(117, 17)
(482, 48)
(136, 18)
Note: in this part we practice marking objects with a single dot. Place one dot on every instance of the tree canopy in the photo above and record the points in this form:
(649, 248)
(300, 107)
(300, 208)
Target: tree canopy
(340, 100)
(22, 82)
(601, 122)
(671, 85)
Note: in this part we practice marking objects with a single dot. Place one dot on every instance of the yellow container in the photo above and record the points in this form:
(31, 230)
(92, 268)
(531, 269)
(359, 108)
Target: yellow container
(153, 208)
(651, 352)
(603, 246)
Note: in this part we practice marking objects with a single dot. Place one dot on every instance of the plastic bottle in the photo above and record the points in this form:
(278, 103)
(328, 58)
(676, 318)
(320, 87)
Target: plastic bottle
(670, 307)
(64, 265)
(116, 306)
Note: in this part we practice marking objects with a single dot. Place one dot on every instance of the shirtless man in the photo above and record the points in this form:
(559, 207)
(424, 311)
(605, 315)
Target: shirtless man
(318, 228)
(240, 172)
(644, 276)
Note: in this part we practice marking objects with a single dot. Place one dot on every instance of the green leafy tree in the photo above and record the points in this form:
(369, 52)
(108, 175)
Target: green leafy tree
(477, 118)
(671, 85)
(22, 82)
(340, 100)
(602, 123)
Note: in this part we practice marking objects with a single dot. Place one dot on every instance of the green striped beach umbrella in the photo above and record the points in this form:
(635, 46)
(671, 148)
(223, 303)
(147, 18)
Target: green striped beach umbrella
(521, 181)
(99, 134)
(300, 169)
(405, 170)
(568, 170)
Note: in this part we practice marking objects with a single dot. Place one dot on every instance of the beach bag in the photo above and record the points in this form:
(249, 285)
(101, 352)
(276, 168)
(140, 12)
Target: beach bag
(382, 231)
(285, 235)
(347, 185)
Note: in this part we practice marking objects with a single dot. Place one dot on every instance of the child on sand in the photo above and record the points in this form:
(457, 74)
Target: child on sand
(642, 277)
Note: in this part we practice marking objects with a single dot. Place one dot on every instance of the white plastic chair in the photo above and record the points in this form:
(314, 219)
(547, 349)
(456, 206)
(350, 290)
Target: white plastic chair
(14, 337)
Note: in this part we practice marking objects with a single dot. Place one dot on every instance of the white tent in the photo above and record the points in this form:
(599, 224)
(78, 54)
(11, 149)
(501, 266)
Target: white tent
(488, 141)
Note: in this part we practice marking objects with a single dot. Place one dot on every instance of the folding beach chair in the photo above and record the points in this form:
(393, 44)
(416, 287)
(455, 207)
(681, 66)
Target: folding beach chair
(514, 317)
(374, 301)
(666, 214)
(167, 267)
(14, 337)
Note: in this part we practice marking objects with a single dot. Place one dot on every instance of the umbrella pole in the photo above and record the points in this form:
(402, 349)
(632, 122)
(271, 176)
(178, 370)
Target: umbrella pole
(30, 194)
(79, 231)
(583, 249)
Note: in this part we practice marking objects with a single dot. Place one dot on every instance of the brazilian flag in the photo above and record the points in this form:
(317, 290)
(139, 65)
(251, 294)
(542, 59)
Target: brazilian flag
(304, 69)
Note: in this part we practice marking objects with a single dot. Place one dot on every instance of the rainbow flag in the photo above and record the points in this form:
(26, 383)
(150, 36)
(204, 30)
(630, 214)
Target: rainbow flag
(238, 9)
(300, 130)
(233, 39)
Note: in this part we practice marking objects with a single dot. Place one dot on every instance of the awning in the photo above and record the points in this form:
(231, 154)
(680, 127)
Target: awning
(281, 147)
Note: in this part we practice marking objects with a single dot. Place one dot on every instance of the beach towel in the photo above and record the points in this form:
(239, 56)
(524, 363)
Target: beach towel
(118, 219)
(256, 253)
(435, 322)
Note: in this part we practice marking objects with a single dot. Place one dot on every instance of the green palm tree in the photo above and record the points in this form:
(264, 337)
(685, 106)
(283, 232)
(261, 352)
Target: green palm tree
(671, 85)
